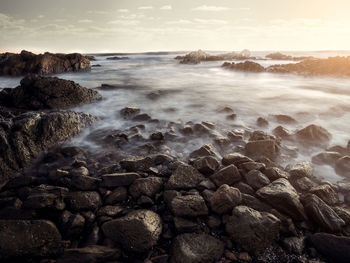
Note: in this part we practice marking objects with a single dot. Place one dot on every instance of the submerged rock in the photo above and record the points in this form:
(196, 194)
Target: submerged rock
(47, 63)
(246, 66)
(39, 93)
(314, 135)
(342, 166)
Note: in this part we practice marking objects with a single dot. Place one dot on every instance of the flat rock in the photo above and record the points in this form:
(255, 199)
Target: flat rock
(196, 248)
(235, 159)
(23, 238)
(281, 195)
(328, 158)
(225, 199)
(137, 163)
(189, 206)
(118, 179)
(253, 230)
(137, 231)
(78, 201)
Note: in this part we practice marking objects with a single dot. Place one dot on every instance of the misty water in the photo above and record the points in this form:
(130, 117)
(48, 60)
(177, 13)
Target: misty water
(196, 92)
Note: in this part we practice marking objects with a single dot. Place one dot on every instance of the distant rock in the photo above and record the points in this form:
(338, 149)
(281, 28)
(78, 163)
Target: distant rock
(47, 63)
(314, 135)
(39, 93)
(117, 58)
(195, 57)
(280, 56)
(246, 66)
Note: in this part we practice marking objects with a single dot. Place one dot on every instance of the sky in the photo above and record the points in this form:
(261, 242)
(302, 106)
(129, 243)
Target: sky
(91, 26)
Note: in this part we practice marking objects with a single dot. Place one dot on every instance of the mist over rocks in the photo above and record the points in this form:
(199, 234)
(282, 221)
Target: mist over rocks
(26, 62)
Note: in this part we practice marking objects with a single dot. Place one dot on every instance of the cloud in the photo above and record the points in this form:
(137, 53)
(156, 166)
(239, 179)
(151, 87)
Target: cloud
(211, 8)
(180, 22)
(145, 8)
(210, 21)
(124, 22)
(85, 21)
(166, 7)
(97, 12)
(123, 10)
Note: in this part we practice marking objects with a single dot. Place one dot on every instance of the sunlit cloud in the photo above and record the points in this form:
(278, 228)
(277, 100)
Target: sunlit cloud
(211, 8)
(166, 7)
(179, 22)
(85, 21)
(124, 22)
(123, 10)
(145, 8)
(211, 21)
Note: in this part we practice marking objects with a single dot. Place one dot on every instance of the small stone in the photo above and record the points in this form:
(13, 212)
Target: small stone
(235, 159)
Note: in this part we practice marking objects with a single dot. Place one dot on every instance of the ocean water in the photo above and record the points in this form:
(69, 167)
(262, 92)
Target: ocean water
(196, 92)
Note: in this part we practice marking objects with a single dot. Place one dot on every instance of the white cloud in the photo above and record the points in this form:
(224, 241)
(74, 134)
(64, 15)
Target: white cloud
(124, 22)
(210, 21)
(123, 10)
(85, 21)
(211, 8)
(180, 22)
(98, 12)
(145, 8)
(41, 16)
(166, 7)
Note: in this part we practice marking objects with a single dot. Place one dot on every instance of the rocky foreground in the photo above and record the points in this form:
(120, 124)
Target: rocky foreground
(29, 63)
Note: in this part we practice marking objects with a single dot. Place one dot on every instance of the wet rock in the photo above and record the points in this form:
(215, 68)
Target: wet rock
(207, 184)
(206, 165)
(224, 199)
(20, 181)
(38, 93)
(253, 202)
(196, 248)
(129, 112)
(231, 116)
(281, 132)
(22, 238)
(206, 150)
(71, 225)
(303, 184)
(142, 117)
(235, 159)
(342, 166)
(267, 148)
(253, 230)
(274, 173)
(294, 245)
(214, 221)
(189, 205)
(146, 186)
(326, 158)
(256, 179)
(118, 179)
(185, 225)
(110, 211)
(281, 195)
(85, 183)
(322, 214)
(334, 248)
(47, 63)
(244, 188)
(326, 193)
(262, 122)
(227, 175)
(157, 136)
(78, 201)
(44, 200)
(137, 163)
(137, 231)
(246, 66)
(90, 254)
(234, 136)
(314, 134)
(285, 119)
(301, 169)
(184, 177)
(118, 195)
(194, 57)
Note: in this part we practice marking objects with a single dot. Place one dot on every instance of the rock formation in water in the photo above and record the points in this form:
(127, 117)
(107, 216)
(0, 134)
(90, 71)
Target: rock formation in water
(26, 62)
(246, 66)
(280, 56)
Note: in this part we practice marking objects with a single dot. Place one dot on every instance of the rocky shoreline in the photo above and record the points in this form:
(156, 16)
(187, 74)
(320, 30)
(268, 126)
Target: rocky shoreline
(229, 201)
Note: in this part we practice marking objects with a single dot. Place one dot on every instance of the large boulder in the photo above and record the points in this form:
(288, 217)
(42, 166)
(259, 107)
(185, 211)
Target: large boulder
(281, 195)
(137, 231)
(322, 214)
(28, 134)
(47, 63)
(253, 230)
(334, 248)
(39, 93)
(23, 238)
(196, 248)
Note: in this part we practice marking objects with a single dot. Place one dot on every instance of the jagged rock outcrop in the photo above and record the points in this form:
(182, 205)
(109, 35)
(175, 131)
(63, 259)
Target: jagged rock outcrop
(26, 62)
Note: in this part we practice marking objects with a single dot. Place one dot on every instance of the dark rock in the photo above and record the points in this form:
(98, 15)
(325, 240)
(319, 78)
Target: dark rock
(294, 245)
(71, 225)
(196, 248)
(235, 158)
(90, 254)
(146, 186)
(184, 177)
(47, 63)
(206, 150)
(118, 195)
(256, 179)
(137, 163)
(85, 183)
(234, 136)
(281, 195)
(231, 116)
(207, 165)
(118, 179)
(44, 200)
(303, 184)
(78, 201)
(274, 173)
(343, 213)
(322, 214)
(301, 169)
(142, 117)
(248, 166)
(262, 122)
(244, 188)
(110, 211)
(335, 248)
(157, 136)
(189, 205)
(267, 148)
(227, 175)
(163, 159)
(185, 225)
(255, 203)
(117, 58)
(281, 132)
(207, 184)
(137, 231)
(21, 238)
(315, 135)
(285, 119)
(225, 199)
(342, 166)
(129, 112)
(39, 93)
(246, 66)
(20, 181)
(326, 193)
(253, 230)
